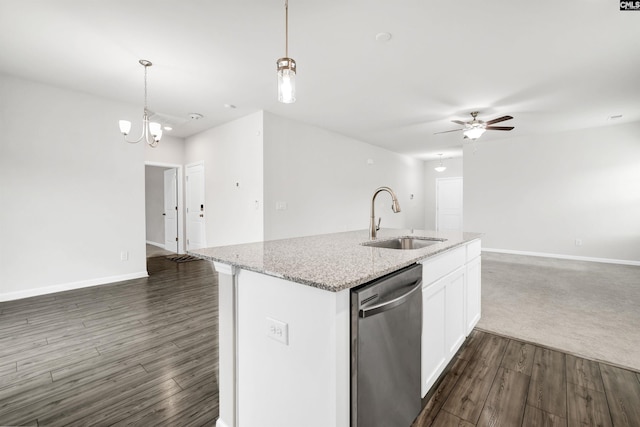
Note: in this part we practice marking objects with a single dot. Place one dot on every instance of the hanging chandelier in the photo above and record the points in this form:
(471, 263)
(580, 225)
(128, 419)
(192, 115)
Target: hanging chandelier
(286, 68)
(151, 131)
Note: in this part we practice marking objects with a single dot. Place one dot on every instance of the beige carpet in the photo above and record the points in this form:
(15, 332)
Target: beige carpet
(585, 308)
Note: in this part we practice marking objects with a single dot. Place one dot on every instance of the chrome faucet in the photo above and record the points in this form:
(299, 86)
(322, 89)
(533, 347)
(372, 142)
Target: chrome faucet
(395, 206)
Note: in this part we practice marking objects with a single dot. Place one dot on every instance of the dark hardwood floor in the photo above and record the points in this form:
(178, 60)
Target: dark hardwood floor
(496, 381)
(145, 352)
(140, 352)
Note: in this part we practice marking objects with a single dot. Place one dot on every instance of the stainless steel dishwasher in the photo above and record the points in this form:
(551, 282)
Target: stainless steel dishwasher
(386, 328)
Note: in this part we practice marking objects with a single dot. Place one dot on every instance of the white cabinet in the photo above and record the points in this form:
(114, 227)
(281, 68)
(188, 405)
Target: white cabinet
(454, 322)
(443, 327)
(450, 307)
(434, 354)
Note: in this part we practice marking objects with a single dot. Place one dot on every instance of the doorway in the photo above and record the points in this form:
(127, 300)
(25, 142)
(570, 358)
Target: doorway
(164, 222)
(449, 204)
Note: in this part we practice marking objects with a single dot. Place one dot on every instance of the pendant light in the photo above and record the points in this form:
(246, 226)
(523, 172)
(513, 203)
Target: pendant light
(151, 131)
(286, 68)
(440, 167)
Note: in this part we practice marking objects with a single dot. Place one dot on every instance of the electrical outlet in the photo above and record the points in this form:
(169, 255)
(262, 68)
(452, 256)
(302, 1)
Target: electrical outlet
(278, 330)
(578, 242)
(281, 206)
(124, 256)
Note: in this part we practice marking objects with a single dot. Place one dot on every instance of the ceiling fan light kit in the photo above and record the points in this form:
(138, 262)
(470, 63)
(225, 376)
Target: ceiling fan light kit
(286, 68)
(151, 131)
(474, 132)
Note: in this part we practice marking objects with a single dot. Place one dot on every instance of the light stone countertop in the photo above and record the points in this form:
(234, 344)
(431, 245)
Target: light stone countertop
(332, 262)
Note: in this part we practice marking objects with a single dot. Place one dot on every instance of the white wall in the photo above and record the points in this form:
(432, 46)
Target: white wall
(540, 193)
(454, 169)
(232, 153)
(72, 192)
(170, 150)
(327, 184)
(154, 203)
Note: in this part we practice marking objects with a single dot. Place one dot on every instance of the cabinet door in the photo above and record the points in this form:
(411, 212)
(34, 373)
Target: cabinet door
(455, 331)
(434, 355)
(473, 291)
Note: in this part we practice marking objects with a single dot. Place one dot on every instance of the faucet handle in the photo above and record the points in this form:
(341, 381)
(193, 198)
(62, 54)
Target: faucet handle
(378, 226)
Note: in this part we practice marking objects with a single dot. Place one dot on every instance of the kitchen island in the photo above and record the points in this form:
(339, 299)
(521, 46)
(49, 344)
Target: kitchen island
(284, 319)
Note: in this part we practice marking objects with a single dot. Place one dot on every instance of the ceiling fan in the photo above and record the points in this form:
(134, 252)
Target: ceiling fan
(475, 128)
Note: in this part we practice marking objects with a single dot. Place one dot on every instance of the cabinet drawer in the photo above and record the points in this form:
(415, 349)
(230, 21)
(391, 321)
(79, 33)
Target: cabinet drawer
(473, 249)
(441, 265)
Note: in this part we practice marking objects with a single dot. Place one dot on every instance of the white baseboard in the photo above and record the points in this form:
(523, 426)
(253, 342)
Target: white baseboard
(10, 296)
(561, 256)
(160, 245)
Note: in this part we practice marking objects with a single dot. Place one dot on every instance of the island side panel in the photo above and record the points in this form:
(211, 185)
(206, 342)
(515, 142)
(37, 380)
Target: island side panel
(226, 345)
(304, 381)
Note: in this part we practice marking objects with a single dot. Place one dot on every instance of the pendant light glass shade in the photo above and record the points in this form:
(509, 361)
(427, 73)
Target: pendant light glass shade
(125, 126)
(156, 130)
(286, 80)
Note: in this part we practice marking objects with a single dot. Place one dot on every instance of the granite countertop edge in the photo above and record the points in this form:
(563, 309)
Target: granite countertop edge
(254, 256)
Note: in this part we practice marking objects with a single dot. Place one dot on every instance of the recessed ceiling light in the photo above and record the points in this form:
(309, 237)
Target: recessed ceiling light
(230, 106)
(195, 116)
(168, 128)
(615, 117)
(383, 37)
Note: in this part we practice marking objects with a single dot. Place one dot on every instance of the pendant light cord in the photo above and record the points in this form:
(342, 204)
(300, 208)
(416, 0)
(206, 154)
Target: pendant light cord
(145, 88)
(286, 26)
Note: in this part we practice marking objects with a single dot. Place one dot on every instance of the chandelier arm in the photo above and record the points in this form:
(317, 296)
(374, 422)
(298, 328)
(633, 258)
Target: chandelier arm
(146, 133)
(134, 142)
(148, 137)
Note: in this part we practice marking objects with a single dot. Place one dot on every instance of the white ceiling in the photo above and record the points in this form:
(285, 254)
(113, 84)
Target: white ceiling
(553, 65)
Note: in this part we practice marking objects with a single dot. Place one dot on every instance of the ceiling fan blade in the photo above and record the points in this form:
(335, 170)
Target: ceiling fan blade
(499, 128)
(459, 122)
(447, 131)
(499, 119)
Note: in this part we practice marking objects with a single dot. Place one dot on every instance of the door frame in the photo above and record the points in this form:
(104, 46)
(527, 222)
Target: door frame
(171, 243)
(180, 186)
(438, 181)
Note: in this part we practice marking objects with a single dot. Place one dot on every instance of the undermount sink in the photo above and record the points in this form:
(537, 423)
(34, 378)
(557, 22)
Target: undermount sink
(405, 243)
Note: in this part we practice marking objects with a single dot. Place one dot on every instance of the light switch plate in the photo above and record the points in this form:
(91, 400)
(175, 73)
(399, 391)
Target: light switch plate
(278, 330)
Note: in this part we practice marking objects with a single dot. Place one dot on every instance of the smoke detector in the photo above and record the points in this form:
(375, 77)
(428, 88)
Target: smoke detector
(195, 116)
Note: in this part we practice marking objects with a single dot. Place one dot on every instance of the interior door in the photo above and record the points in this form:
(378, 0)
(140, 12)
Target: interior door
(195, 206)
(449, 204)
(171, 210)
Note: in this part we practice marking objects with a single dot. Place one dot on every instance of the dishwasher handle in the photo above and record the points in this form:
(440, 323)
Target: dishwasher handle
(386, 305)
